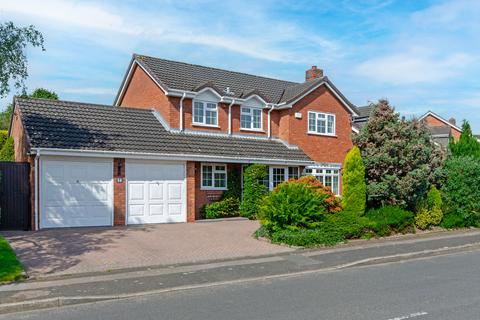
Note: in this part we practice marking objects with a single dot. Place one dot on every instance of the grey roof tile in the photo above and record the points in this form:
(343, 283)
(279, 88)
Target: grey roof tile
(82, 126)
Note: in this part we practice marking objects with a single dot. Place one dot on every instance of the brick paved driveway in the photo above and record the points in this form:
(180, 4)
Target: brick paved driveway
(79, 250)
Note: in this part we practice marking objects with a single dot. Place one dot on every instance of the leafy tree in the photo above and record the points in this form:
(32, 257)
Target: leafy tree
(44, 94)
(13, 43)
(467, 145)
(400, 158)
(354, 186)
(5, 117)
(7, 152)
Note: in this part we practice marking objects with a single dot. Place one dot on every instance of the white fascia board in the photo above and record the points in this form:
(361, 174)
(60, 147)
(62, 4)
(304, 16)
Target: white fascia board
(290, 105)
(433, 114)
(159, 156)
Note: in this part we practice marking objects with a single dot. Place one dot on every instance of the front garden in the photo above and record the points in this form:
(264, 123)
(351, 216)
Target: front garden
(395, 180)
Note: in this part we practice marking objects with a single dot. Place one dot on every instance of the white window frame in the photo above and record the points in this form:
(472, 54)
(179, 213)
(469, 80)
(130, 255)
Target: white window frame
(250, 113)
(214, 171)
(317, 115)
(321, 173)
(286, 175)
(204, 114)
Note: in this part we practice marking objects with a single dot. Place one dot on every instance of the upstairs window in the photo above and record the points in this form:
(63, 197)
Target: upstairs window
(250, 118)
(205, 113)
(321, 123)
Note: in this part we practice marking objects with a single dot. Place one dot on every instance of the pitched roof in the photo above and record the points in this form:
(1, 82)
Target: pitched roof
(191, 77)
(186, 76)
(81, 126)
(365, 111)
(433, 114)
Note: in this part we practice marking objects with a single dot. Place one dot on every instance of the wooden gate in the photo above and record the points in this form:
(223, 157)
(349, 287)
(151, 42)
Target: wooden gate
(14, 196)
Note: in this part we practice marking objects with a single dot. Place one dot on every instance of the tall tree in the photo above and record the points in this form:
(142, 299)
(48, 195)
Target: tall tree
(467, 145)
(400, 158)
(354, 186)
(13, 60)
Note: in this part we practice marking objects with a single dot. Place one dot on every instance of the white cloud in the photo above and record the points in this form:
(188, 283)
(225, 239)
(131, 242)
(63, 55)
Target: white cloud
(414, 67)
(258, 37)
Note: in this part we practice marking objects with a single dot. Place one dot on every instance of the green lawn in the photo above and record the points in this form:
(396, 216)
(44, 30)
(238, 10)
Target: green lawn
(10, 267)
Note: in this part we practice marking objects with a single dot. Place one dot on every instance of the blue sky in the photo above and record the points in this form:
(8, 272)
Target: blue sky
(421, 55)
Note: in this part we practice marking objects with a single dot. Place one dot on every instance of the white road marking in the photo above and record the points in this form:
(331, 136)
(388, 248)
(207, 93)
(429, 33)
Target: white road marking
(410, 316)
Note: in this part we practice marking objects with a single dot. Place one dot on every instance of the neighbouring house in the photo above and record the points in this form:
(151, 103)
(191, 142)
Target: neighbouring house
(440, 128)
(167, 146)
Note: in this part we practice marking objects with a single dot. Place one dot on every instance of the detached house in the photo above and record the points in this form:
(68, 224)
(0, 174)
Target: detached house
(167, 145)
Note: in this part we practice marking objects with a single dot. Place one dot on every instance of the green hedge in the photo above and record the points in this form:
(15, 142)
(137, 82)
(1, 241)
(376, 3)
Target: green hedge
(7, 152)
(253, 190)
(228, 207)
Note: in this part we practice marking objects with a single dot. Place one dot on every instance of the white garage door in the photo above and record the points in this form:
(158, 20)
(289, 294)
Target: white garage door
(76, 193)
(155, 192)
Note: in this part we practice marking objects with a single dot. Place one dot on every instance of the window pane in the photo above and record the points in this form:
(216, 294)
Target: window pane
(245, 119)
(220, 180)
(211, 114)
(220, 168)
(321, 123)
(330, 124)
(257, 119)
(311, 122)
(207, 176)
(278, 175)
(335, 185)
(198, 112)
(292, 172)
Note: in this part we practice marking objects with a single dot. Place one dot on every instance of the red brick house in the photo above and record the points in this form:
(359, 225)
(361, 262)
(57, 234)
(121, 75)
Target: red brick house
(167, 145)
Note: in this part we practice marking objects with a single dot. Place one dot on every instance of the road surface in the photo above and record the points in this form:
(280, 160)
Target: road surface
(442, 287)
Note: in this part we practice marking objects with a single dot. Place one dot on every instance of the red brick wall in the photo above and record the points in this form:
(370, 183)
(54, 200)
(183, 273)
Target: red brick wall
(191, 191)
(319, 148)
(119, 205)
(19, 138)
(143, 92)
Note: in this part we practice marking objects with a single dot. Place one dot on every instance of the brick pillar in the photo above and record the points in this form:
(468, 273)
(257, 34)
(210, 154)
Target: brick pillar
(190, 191)
(119, 206)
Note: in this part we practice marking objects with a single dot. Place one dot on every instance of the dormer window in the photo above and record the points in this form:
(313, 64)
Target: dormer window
(205, 113)
(251, 118)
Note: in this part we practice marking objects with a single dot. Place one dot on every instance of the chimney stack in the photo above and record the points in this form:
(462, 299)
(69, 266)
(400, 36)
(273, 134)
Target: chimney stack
(313, 73)
(452, 121)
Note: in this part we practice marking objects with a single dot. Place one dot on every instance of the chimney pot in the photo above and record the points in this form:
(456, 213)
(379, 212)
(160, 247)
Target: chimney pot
(452, 121)
(313, 73)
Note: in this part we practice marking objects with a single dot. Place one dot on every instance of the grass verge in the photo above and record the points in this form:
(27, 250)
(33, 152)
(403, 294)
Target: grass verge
(10, 268)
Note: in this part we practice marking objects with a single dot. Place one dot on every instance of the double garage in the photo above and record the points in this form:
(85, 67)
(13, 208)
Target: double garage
(79, 192)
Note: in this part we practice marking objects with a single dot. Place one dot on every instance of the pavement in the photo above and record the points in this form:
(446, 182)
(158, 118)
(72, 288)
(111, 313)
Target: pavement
(56, 252)
(441, 288)
(138, 282)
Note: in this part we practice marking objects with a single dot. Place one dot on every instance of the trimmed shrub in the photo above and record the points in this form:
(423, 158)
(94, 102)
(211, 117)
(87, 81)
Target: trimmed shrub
(389, 219)
(228, 207)
(234, 185)
(296, 204)
(7, 152)
(332, 202)
(354, 186)
(461, 192)
(430, 213)
(253, 189)
(292, 205)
